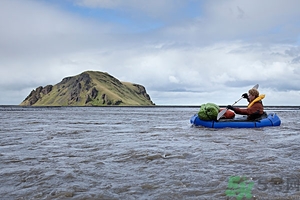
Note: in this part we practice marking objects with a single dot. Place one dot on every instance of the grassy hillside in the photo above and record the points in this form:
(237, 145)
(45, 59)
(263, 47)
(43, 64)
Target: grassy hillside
(90, 88)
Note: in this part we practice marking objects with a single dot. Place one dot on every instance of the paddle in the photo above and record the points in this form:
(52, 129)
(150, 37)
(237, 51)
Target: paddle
(220, 114)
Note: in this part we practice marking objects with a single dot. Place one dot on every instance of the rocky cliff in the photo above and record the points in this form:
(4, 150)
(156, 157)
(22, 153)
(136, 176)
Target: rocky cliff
(90, 88)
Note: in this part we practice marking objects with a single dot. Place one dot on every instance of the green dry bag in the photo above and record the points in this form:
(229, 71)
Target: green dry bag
(208, 111)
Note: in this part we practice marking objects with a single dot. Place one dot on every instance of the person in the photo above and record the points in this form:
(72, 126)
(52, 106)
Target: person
(255, 108)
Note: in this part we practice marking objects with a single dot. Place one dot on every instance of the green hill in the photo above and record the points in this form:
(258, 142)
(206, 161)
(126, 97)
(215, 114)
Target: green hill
(90, 88)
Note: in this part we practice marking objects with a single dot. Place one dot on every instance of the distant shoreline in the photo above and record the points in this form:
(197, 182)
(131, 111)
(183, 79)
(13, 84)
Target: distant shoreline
(154, 106)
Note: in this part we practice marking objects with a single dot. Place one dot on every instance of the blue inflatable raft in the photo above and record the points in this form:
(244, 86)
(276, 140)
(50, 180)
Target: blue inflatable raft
(269, 120)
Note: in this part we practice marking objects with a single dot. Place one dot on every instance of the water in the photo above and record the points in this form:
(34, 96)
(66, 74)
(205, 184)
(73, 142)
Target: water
(142, 153)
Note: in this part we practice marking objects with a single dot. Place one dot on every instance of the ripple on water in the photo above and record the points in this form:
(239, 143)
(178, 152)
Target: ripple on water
(139, 153)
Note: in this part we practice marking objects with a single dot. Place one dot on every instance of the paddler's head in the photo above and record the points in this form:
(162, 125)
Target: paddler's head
(253, 93)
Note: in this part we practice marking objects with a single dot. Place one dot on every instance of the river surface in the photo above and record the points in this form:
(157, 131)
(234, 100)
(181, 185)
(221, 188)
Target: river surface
(143, 153)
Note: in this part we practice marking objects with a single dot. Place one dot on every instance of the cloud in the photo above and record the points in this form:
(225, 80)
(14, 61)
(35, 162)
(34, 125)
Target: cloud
(253, 21)
(38, 35)
(199, 69)
(222, 49)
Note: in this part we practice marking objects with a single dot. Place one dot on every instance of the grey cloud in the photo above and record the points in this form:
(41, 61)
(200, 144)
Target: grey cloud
(296, 60)
(294, 51)
(241, 13)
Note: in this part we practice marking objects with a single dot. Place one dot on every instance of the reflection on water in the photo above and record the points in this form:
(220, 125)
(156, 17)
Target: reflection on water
(141, 153)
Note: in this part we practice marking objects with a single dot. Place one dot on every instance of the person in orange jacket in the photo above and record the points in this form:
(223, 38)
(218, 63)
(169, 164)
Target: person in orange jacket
(255, 107)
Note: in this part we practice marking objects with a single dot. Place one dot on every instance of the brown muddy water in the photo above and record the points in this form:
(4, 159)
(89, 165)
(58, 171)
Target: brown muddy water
(143, 153)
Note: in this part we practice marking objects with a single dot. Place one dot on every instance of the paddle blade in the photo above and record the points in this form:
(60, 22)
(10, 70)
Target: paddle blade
(220, 114)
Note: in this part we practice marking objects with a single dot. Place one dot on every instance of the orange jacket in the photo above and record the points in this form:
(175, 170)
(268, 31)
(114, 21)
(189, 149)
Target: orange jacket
(254, 110)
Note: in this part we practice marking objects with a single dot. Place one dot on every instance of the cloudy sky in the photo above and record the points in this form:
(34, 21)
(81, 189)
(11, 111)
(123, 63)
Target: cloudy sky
(185, 52)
